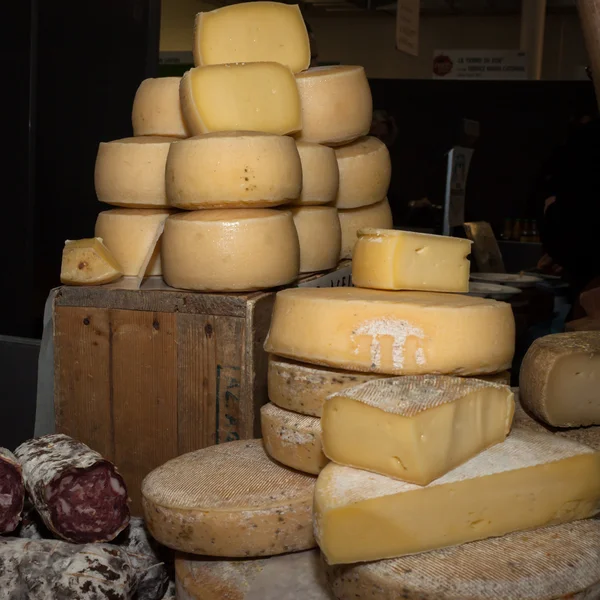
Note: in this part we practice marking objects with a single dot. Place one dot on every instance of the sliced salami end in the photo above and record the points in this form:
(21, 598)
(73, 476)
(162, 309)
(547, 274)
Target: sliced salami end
(12, 492)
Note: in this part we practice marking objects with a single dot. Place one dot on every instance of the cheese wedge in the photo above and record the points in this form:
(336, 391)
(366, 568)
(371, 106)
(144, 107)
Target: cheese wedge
(88, 262)
(532, 480)
(378, 216)
(320, 174)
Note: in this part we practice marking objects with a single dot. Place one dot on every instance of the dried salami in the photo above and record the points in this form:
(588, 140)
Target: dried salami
(12, 492)
(79, 495)
(44, 569)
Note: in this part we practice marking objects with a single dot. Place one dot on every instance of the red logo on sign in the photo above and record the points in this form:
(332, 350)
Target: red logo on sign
(442, 65)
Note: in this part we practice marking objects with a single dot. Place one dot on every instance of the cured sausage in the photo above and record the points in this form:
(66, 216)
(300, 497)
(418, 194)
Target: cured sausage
(12, 492)
(79, 495)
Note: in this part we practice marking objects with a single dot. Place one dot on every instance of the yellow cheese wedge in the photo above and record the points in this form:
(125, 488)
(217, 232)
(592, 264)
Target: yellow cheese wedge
(252, 32)
(415, 429)
(399, 333)
(320, 174)
(378, 216)
(532, 480)
(241, 97)
(88, 262)
(387, 259)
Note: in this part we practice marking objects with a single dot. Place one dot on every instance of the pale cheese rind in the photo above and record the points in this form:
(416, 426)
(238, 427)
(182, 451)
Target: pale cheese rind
(229, 500)
(88, 262)
(531, 480)
(377, 216)
(398, 333)
(320, 174)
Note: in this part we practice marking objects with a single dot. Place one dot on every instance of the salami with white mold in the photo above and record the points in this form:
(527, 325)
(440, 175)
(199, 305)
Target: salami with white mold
(79, 495)
(12, 491)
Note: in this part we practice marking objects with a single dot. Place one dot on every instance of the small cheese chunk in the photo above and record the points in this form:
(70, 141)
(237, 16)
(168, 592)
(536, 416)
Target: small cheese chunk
(365, 172)
(229, 500)
(233, 170)
(320, 237)
(400, 333)
(131, 172)
(336, 104)
(531, 480)
(560, 379)
(387, 259)
(230, 250)
(320, 174)
(554, 562)
(88, 262)
(133, 236)
(377, 216)
(252, 32)
(415, 428)
(292, 439)
(157, 109)
(241, 97)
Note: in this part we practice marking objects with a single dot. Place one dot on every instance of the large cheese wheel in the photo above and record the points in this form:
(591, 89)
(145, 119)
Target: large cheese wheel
(229, 500)
(320, 174)
(230, 249)
(320, 237)
(375, 215)
(157, 109)
(336, 104)
(365, 172)
(233, 169)
(131, 172)
(133, 237)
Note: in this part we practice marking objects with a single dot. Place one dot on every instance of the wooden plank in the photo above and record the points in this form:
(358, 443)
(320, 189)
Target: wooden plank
(82, 386)
(144, 376)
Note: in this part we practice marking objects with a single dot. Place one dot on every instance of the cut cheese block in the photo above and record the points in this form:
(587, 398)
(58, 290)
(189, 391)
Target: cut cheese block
(336, 104)
(230, 250)
(531, 480)
(320, 174)
(292, 439)
(320, 237)
(387, 259)
(400, 333)
(377, 216)
(232, 170)
(133, 237)
(561, 562)
(157, 109)
(229, 500)
(415, 428)
(287, 577)
(560, 379)
(131, 172)
(365, 172)
(252, 32)
(88, 262)
(503, 377)
(241, 97)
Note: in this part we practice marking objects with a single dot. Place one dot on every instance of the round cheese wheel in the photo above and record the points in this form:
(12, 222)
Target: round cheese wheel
(365, 172)
(320, 175)
(230, 250)
(375, 215)
(232, 170)
(131, 172)
(157, 109)
(336, 104)
(320, 237)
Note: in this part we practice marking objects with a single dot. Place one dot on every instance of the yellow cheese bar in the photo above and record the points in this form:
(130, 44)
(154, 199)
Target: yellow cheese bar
(532, 480)
(387, 259)
(88, 262)
(415, 428)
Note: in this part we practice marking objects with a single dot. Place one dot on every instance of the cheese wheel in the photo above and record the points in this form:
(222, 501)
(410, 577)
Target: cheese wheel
(554, 563)
(502, 378)
(232, 170)
(336, 104)
(400, 333)
(157, 109)
(230, 250)
(131, 172)
(377, 216)
(259, 96)
(320, 174)
(292, 439)
(88, 262)
(133, 237)
(320, 237)
(229, 500)
(365, 172)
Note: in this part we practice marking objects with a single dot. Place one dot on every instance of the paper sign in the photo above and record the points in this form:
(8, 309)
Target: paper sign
(459, 160)
(479, 64)
(407, 26)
